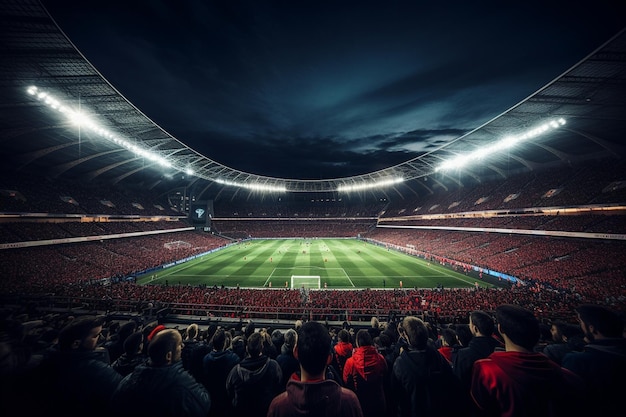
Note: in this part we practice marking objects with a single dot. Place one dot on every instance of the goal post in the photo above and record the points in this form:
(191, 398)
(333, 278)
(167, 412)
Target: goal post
(306, 281)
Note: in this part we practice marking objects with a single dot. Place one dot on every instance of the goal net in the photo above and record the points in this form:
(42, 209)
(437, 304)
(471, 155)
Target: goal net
(305, 281)
(178, 244)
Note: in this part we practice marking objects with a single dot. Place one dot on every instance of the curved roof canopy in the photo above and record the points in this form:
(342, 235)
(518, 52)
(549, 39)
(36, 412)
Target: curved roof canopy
(589, 98)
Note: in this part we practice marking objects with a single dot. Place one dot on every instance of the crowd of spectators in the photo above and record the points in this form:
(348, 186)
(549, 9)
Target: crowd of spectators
(59, 265)
(293, 228)
(34, 194)
(595, 182)
(62, 364)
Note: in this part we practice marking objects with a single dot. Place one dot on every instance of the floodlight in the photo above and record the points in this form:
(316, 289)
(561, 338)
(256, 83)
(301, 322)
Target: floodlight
(506, 143)
(81, 119)
(367, 185)
(253, 186)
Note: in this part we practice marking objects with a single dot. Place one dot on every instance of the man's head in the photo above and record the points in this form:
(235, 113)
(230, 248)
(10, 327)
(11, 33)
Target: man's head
(556, 330)
(290, 341)
(81, 333)
(415, 332)
(363, 338)
(133, 343)
(165, 347)
(254, 344)
(599, 322)
(518, 326)
(448, 337)
(343, 335)
(481, 323)
(219, 340)
(313, 348)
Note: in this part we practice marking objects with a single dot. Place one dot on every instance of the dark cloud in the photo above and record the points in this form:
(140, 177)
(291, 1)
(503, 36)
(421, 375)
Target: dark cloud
(325, 89)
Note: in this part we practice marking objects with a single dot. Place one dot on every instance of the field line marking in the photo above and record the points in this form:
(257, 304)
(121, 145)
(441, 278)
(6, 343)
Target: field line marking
(268, 278)
(347, 276)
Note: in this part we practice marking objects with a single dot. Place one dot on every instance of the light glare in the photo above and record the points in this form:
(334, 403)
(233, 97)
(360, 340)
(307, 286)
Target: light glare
(503, 144)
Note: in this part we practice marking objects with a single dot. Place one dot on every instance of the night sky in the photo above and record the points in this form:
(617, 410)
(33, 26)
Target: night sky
(326, 89)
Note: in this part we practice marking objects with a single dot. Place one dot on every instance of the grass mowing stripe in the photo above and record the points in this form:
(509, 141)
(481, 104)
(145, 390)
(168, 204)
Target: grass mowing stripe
(341, 263)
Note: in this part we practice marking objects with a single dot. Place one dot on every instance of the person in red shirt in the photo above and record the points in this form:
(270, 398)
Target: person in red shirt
(519, 381)
(313, 394)
(449, 341)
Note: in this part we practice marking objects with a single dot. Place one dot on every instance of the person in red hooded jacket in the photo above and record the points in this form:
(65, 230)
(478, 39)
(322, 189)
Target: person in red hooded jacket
(364, 373)
(343, 349)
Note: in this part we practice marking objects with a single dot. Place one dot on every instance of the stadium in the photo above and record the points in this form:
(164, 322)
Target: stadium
(528, 208)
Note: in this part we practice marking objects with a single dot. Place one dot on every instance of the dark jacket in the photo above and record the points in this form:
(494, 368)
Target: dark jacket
(424, 385)
(463, 359)
(315, 399)
(288, 364)
(160, 391)
(602, 365)
(76, 382)
(125, 364)
(192, 356)
(252, 384)
(217, 366)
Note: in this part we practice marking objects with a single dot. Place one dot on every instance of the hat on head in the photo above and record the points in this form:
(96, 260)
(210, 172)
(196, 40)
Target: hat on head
(155, 331)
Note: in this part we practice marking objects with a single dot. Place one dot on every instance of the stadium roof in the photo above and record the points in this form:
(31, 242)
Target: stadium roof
(590, 97)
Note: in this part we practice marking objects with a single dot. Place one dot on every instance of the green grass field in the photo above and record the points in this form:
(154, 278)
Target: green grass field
(340, 264)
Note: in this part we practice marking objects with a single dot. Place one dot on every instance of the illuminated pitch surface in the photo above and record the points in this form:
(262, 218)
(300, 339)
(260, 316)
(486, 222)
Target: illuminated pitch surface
(341, 264)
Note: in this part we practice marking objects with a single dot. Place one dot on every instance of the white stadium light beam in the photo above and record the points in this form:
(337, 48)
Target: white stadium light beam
(505, 143)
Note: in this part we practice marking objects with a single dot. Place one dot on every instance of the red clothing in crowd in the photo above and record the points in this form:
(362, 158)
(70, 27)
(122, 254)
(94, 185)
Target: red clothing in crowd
(446, 352)
(364, 374)
(513, 384)
(343, 350)
(319, 398)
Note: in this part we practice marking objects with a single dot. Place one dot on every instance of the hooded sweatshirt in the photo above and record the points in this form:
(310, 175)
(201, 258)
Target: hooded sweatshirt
(252, 384)
(343, 350)
(364, 373)
(511, 384)
(323, 398)
(163, 391)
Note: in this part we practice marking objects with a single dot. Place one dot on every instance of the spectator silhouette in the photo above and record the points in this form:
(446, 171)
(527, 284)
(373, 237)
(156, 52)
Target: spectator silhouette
(464, 334)
(193, 352)
(255, 381)
(133, 355)
(343, 349)
(422, 379)
(385, 346)
(364, 373)
(520, 381)
(602, 364)
(161, 387)
(278, 338)
(481, 345)
(288, 363)
(449, 342)
(217, 365)
(566, 338)
(78, 377)
(116, 345)
(312, 394)
(238, 345)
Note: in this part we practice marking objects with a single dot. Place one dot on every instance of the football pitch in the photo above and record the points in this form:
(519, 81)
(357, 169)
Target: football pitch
(313, 263)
